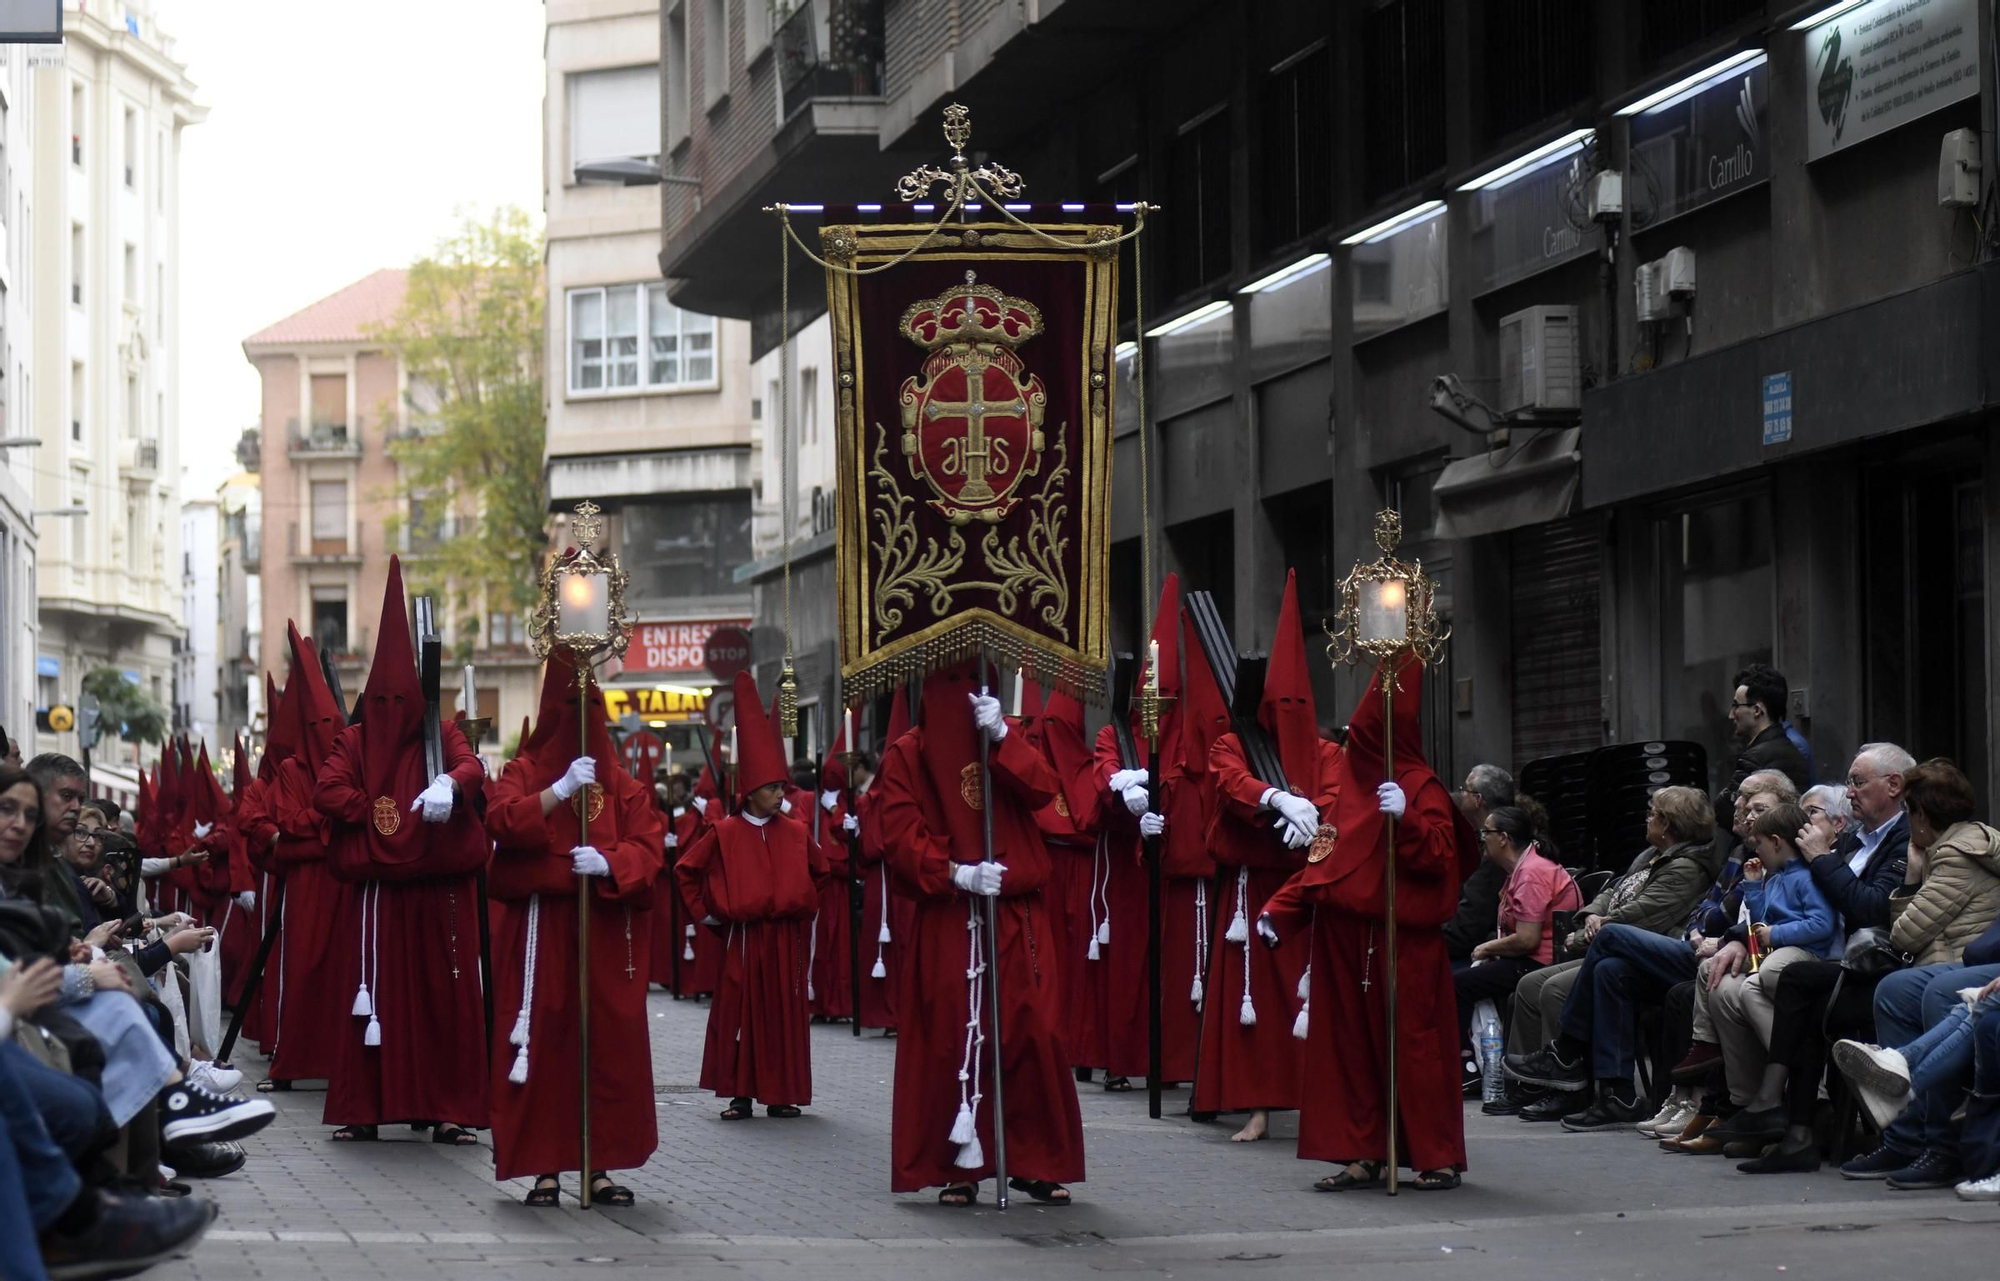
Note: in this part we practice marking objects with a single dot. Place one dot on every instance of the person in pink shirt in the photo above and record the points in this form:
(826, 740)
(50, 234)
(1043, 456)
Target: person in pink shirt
(1536, 888)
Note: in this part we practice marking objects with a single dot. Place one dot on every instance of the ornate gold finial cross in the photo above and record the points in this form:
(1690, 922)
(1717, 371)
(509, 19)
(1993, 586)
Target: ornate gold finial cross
(957, 128)
(587, 524)
(1388, 530)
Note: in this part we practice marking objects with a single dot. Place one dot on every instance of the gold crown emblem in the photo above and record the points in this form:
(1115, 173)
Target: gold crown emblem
(971, 313)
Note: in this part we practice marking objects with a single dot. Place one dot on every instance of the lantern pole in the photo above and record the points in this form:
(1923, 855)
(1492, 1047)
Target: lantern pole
(583, 937)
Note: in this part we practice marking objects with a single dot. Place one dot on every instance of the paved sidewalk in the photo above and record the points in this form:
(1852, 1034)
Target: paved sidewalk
(810, 1198)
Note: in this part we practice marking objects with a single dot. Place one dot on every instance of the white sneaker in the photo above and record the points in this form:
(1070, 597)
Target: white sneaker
(1880, 1077)
(220, 1080)
(1672, 1117)
(1986, 1189)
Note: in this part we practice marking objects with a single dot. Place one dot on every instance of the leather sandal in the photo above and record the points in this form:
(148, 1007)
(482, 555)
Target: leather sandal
(1345, 1180)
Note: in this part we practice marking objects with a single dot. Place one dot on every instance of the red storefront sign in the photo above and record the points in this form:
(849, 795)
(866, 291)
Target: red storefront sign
(669, 648)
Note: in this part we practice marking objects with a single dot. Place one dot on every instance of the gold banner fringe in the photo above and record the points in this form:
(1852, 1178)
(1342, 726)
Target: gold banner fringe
(873, 679)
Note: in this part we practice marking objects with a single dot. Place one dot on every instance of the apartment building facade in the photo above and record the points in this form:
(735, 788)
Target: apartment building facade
(20, 532)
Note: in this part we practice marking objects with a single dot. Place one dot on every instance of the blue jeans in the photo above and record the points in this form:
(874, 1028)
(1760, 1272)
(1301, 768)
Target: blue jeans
(1979, 1140)
(1625, 968)
(1906, 1003)
(71, 1107)
(37, 1181)
(1943, 1054)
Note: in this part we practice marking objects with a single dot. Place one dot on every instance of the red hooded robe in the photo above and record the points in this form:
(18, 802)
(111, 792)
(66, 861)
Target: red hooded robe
(886, 915)
(701, 950)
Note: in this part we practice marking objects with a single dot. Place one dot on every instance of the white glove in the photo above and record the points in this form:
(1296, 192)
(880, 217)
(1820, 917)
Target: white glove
(247, 900)
(978, 878)
(582, 772)
(700, 804)
(1151, 825)
(1296, 837)
(673, 842)
(201, 830)
(829, 800)
(987, 715)
(785, 806)
(1297, 810)
(584, 860)
(1124, 778)
(850, 824)
(1136, 799)
(1267, 931)
(1391, 798)
(172, 921)
(435, 800)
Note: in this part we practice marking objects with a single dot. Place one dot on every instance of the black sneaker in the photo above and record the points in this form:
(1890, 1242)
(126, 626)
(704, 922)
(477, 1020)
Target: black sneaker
(1548, 1070)
(1879, 1164)
(1609, 1113)
(1554, 1107)
(191, 1114)
(206, 1160)
(1934, 1169)
(131, 1233)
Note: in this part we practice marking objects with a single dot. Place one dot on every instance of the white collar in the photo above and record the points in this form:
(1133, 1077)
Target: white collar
(752, 819)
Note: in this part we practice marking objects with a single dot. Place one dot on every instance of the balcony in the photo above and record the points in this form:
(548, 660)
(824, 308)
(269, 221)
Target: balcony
(139, 459)
(319, 439)
(306, 550)
(851, 67)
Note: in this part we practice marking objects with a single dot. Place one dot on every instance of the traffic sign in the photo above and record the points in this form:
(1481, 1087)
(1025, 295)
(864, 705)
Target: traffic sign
(643, 751)
(726, 653)
(61, 719)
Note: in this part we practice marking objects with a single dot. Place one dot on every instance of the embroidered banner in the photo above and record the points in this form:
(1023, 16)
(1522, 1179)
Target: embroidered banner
(975, 387)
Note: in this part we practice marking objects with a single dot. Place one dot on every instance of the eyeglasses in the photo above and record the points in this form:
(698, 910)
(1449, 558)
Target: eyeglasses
(1490, 831)
(1857, 782)
(1816, 811)
(1741, 707)
(88, 834)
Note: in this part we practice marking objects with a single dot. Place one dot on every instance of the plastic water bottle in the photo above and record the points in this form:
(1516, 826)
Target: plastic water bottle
(1492, 1044)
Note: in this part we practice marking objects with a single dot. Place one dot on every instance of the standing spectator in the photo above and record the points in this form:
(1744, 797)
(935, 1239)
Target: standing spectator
(1486, 788)
(1757, 718)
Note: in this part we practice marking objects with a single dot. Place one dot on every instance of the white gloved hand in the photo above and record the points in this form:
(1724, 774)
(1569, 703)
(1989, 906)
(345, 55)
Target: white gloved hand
(700, 804)
(1391, 799)
(247, 900)
(201, 830)
(1267, 931)
(850, 824)
(1296, 837)
(978, 878)
(1297, 810)
(1124, 778)
(1136, 800)
(987, 715)
(584, 860)
(1151, 825)
(785, 806)
(172, 921)
(673, 842)
(829, 800)
(582, 772)
(435, 800)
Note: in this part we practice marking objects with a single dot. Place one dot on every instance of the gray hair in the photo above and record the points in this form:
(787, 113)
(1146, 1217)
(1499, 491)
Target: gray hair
(1773, 782)
(1887, 758)
(1830, 798)
(1491, 784)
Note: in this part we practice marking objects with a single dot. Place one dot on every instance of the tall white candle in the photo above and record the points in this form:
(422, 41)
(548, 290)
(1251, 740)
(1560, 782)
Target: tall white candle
(1019, 685)
(732, 745)
(847, 729)
(1153, 665)
(468, 699)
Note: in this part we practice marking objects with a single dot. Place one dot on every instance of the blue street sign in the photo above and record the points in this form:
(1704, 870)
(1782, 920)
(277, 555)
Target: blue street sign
(1777, 408)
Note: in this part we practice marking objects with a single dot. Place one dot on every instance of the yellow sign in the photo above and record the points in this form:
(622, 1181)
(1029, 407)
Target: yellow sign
(61, 719)
(653, 704)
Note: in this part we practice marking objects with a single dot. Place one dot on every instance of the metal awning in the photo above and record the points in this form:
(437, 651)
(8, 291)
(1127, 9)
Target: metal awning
(1521, 484)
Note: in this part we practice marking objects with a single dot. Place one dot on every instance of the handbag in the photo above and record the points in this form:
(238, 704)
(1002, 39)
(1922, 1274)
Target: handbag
(1871, 954)
(28, 930)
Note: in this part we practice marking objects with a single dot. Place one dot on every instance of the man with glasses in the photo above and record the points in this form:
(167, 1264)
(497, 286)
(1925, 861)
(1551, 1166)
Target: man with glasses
(1486, 788)
(1757, 719)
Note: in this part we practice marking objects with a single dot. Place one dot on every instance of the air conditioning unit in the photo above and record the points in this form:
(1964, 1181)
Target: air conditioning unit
(1677, 270)
(1539, 367)
(1649, 290)
(1958, 170)
(1604, 199)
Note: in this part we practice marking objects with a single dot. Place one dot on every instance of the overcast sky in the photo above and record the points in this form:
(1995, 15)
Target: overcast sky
(340, 138)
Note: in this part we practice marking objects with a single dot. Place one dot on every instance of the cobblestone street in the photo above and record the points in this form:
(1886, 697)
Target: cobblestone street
(808, 1198)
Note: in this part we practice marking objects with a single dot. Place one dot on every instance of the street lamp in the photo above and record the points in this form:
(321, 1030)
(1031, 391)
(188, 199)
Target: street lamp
(633, 171)
(20, 442)
(59, 513)
(1386, 607)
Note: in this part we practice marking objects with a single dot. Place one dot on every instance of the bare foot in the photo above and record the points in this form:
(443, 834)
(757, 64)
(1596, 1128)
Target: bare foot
(1258, 1128)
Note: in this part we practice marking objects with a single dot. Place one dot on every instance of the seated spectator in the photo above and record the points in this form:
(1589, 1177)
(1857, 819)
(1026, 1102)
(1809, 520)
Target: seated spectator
(1534, 890)
(1758, 795)
(1979, 1140)
(1950, 896)
(1652, 897)
(1486, 788)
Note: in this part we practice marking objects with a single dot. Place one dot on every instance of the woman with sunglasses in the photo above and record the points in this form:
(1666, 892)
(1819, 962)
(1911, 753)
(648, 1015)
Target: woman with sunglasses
(1535, 889)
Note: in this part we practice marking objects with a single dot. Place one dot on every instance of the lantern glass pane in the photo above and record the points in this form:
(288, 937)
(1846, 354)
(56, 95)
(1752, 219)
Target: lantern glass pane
(584, 604)
(1385, 614)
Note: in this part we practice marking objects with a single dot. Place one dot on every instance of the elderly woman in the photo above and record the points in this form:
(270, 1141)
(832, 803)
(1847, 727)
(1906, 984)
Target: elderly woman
(1534, 890)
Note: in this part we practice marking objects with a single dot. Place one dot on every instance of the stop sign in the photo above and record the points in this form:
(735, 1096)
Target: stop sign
(643, 752)
(726, 653)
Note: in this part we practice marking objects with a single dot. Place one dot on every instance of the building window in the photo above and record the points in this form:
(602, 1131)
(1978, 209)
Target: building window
(329, 517)
(134, 425)
(1538, 60)
(1297, 110)
(1200, 239)
(329, 407)
(131, 149)
(715, 50)
(132, 274)
(76, 400)
(679, 547)
(76, 125)
(614, 115)
(160, 170)
(1666, 27)
(506, 631)
(329, 619)
(756, 29)
(1403, 67)
(76, 263)
(605, 324)
(674, 55)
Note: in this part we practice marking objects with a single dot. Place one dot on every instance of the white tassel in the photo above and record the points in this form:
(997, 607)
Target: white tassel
(1299, 1026)
(690, 929)
(1104, 932)
(810, 994)
(364, 1006)
(882, 935)
(519, 1074)
(971, 1156)
(687, 951)
(519, 1036)
(524, 1021)
(1092, 953)
(1239, 927)
(374, 1034)
(1195, 993)
(963, 1130)
(1247, 1016)
(880, 971)
(1306, 984)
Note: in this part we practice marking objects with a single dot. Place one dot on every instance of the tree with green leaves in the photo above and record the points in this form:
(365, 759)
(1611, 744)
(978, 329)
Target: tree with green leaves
(124, 707)
(468, 442)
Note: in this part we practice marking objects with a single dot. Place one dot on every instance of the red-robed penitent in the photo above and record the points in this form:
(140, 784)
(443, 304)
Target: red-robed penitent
(931, 816)
(406, 945)
(226, 872)
(534, 1068)
(1249, 1057)
(885, 914)
(1186, 867)
(1072, 828)
(701, 950)
(1343, 1116)
(260, 842)
(312, 1009)
(756, 882)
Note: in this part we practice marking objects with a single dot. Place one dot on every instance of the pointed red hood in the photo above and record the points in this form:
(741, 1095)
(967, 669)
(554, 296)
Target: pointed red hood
(280, 727)
(1287, 712)
(951, 745)
(521, 743)
(392, 702)
(167, 789)
(833, 770)
(239, 780)
(1204, 716)
(1069, 755)
(899, 717)
(554, 742)
(316, 717)
(761, 759)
